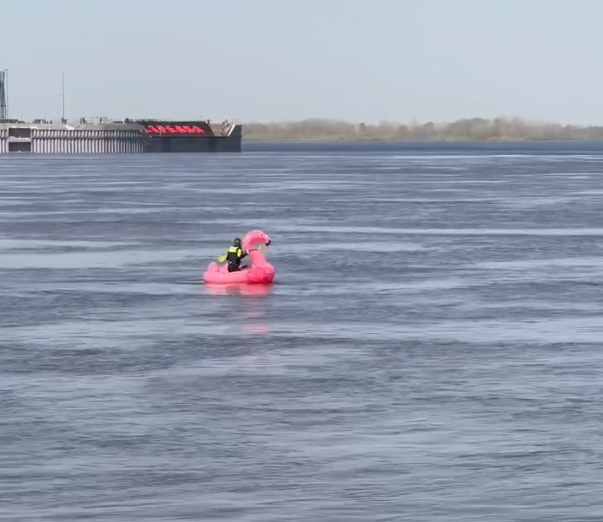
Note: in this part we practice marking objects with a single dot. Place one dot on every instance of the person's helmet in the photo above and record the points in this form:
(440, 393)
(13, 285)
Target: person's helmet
(237, 242)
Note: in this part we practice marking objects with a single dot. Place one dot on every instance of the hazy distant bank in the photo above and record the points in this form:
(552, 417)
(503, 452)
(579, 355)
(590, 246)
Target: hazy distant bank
(474, 129)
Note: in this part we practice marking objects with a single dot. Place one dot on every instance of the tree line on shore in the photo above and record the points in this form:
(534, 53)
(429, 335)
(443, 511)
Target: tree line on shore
(471, 129)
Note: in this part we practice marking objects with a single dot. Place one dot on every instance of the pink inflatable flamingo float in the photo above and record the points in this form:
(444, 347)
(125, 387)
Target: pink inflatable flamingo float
(259, 271)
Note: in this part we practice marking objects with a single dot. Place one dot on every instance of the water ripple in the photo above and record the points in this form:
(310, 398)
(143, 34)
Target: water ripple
(429, 352)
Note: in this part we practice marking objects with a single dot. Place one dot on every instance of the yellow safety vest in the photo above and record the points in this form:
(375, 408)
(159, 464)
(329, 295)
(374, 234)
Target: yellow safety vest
(236, 250)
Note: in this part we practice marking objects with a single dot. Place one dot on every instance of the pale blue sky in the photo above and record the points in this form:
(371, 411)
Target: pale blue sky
(289, 59)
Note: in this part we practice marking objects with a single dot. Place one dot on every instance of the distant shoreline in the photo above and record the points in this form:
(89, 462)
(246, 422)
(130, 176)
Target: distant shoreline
(460, 131)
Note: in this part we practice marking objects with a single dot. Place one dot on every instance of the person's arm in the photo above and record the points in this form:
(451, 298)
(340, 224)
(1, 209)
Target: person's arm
(243, 253)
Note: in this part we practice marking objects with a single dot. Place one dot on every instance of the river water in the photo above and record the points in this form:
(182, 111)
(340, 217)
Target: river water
(431, 350)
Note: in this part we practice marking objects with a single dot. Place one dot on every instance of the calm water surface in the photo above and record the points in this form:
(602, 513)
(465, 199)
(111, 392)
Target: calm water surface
(431, 350)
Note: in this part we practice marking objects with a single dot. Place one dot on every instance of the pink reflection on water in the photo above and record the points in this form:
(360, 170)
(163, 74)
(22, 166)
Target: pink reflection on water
(253, 310)
(240, 289)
